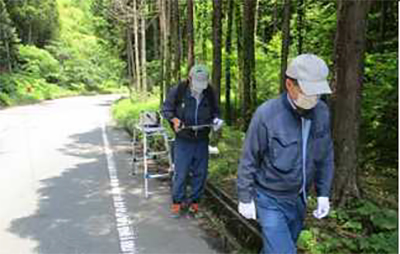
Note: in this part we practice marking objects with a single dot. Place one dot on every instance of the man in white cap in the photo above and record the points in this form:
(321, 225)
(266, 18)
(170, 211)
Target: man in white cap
(288, 147)
(192, 109)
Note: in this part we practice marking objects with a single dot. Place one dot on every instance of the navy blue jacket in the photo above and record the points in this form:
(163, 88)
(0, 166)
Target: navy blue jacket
(272, 153)
(190, 113)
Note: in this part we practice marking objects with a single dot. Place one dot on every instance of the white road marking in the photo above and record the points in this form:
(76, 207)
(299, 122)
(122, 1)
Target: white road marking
(126, 233)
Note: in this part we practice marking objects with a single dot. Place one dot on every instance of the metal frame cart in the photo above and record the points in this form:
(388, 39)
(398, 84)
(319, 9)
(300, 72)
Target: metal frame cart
(147, 130)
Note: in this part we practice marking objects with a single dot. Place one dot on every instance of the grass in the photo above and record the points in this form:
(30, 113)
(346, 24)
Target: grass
(126, 111)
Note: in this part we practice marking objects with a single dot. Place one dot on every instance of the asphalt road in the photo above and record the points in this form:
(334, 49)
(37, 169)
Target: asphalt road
(65, 186)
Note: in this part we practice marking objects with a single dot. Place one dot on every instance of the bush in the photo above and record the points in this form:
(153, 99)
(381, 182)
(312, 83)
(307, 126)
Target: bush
(39, 63)
(127, 111)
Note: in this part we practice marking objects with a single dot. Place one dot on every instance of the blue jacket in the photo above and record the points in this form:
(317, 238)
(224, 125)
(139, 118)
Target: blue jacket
(189, 112)
(272, 153)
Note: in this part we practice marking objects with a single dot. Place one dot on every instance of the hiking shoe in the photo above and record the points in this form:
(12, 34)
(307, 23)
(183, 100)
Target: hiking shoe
(194, 211)
(176, 210)
(194, 208)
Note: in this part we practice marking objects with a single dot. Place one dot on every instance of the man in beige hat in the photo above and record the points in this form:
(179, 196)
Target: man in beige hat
(192, 109)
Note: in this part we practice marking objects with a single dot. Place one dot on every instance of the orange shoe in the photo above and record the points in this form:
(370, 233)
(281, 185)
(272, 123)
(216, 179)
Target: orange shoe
(194, 208)
(176, 210)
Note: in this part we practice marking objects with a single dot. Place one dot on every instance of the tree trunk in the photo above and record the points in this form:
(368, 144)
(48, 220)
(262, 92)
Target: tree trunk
(249, 59)
(285, 42)
(143, 52)
(350, 47)
(203, 28)
(177, 41)
(161, 9)
(190, 31)
(217, 53)
(167, 46)
(30, 34)
(382, 21)
(275, 18)
(155, 34)
(228, 45)
(9, 65)
(131, 59)
(256, 16)
(137, 47)
(300, 16)
(239, 48)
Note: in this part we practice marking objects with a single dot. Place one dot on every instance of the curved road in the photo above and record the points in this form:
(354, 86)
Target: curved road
(65, 186)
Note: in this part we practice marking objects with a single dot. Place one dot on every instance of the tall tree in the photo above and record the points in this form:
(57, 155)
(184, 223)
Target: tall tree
(350, 47)
(285, 41)
(167, 46)
(239, 49)
(382, 25)
(190, 33)
(228, 49)
(8, 40)
(142, 8)
(203, 28)
(155, 30)
(275, 17)
(37, 22)
(256, 16)
(217, 53)
(300, 17)
(161, 10)
(176, 39)
(130, 57)
(135, 15)
(249, 59)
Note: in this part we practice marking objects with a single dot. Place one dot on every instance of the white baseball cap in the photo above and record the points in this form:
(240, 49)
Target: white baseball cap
(199, 76)
(311, 72)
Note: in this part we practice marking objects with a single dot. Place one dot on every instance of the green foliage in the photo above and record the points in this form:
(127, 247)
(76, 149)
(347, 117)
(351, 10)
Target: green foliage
(5, 99)
(85, 58)
(320, 29)
(223, 167)
(362, 228)
(8, 40)
(36, 21)
(268, 69)
(39, 63)
(126, 112)
(380, 111)
(22, 88)
(308, 240)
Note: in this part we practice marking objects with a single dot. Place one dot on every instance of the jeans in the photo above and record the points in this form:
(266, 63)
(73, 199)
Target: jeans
(190, 156)
(281, 221)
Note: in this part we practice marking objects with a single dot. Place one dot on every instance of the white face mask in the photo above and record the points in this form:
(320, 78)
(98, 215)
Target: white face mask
(306, 102)
(197, 90)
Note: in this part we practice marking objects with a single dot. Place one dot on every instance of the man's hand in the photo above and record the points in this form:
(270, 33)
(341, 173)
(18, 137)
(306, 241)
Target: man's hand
(248, 210)
(322, 208)
(217, 124)
(177, 123)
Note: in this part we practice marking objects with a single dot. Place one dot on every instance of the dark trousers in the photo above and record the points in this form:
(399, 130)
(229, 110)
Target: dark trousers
(190, 157)
(281, 221)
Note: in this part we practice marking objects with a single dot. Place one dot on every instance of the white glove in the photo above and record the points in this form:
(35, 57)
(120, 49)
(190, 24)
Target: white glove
(248, 210)
(217, 124)
(322, 208)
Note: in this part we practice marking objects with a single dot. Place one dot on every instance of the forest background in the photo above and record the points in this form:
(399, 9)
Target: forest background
(50, 49)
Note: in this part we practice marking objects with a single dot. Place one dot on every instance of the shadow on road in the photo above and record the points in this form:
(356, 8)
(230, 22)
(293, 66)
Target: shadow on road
(74, 213)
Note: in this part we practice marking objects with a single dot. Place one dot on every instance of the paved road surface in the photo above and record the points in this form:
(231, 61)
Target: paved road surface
(65, 186)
